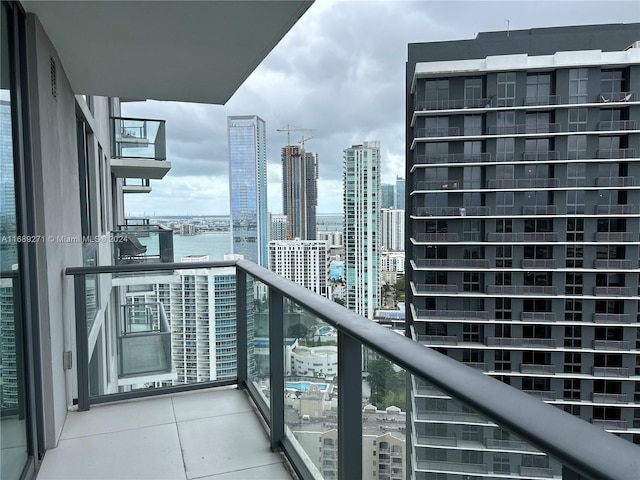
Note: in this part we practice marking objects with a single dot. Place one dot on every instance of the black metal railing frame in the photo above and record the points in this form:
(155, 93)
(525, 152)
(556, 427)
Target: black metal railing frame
(598, 455)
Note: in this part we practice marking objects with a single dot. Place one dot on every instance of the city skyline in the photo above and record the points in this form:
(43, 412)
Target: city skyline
(310, 80)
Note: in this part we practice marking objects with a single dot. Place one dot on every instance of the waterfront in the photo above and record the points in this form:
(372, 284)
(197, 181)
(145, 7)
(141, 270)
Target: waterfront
(214, 244)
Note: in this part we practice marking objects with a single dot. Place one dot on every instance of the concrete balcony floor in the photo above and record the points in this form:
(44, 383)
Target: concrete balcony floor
(207, 434)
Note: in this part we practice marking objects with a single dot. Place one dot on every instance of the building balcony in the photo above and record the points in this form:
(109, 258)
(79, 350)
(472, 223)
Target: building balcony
(533, 369)
(521, 290)
(614, 372)
(614, 237)
(523, 237)
(426, 105)
(615, 181)
(540, 156)
(138, 148)
(524, 183)
(612, 318)
(542, 100)
(452, 211)
(617, 125)
(543, 263)
(482, 366)
(437, 441)
(610, 424)
(614, 264)
(539, 210)
(438, 185)
(615, 209)
(142, 243)
(614, 153)
(437, 132)
(435, 237)
(616, 97)
(136, 185)
(524, 129)
(193, 435)
(542, 394)
(183, 434)
(611, 345)
(427, 315)
(452, 262)
(444, 467)
(521, 342)
(609, 398)
(426, 288)
(536, 472)
(612, 291)
(494, 444)
(438, 339)
(440, 158)
(538, 316)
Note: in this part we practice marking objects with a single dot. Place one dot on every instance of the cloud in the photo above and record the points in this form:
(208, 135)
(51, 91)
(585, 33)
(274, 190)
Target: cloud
(339, 71)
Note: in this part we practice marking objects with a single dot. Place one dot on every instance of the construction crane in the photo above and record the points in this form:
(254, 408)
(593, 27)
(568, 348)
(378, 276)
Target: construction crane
(304, 140)
(290, 129)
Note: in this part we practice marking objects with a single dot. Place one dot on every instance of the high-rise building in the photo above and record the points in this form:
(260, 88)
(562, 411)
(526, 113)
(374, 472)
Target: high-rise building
(248, 187)
(305, 262)
(361, 235)
(387, 195)
(311, 180)
(400, 192)
(392, 230)
(523, 167)
(279, 229)
(299, 191)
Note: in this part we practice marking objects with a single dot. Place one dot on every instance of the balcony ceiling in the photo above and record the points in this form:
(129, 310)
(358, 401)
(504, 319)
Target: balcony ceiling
(192, 51)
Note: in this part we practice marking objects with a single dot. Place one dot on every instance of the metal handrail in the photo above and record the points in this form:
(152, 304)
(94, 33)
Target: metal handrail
(598, 455)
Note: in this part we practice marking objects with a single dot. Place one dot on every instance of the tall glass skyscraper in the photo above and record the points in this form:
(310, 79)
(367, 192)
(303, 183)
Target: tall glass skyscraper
(248, 187)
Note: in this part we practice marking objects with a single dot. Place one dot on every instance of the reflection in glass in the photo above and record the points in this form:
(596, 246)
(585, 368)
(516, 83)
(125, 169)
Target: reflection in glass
(13, 424)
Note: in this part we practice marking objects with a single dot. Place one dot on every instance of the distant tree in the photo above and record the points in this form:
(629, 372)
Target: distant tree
(399, 288)
(297, 330)
(387, 385)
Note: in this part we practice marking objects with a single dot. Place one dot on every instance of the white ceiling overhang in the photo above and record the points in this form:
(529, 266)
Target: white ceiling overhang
(192, 51)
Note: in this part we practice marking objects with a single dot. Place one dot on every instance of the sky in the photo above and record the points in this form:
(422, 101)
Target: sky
(341, 72)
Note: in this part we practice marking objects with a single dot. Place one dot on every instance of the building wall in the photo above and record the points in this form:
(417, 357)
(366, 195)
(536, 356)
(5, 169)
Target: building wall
(305, 262)
(514, 225)
(392, 230)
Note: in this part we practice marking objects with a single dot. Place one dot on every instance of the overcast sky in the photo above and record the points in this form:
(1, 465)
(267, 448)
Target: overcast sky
(340, 71)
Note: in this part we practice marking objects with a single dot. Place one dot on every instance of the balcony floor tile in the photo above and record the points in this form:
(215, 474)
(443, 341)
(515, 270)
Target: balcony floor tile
(196, 435)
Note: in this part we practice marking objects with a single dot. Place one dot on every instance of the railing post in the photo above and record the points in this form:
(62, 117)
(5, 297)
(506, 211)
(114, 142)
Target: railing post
(349, 407)
(82, 341)
(276, 367)
(241, 327)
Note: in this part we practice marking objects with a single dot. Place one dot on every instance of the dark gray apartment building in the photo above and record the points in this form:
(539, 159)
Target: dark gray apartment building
(523, 225)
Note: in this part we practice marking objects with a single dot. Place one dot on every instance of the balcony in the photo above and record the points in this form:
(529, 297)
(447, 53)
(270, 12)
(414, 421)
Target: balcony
(533, 369)
(452, 262)
(426, 288)
(440, 158)
(616, 97)
(538, 316)
(614, 264)
(142, 243)
(452, 314)
(617, 125)
(452, 211)
(542, 394)
(610, 424)
(136, 185)
(530, 472)
(617, 153)
(182, 434)
(144, 345)
(174, 436)
(614, 372)
(542, 100)
(521, 290)
(615, 209)
(524, 183)
(539, 210)
(438, 185)
(524, 129)
(482, 366)
(611, 345)
(438, 339)
(436, 237)
(523, 237)
(543, 263)
(425, 105)
(437, 132)
(612, 291)
(614, 237)
(138, 148)
(540, 156)
(433, 466)
(609, 398)
(615, 181)
(612, 318)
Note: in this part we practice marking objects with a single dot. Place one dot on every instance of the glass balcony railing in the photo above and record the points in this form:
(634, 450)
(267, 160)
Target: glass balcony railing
(333, 386)
(138, 138)
(142, 243)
